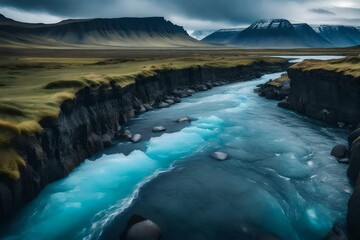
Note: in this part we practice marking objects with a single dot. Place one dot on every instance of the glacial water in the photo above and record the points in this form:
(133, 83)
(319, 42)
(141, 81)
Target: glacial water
(279, 178)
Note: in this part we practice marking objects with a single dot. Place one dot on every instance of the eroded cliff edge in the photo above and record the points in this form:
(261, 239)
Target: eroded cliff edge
(330, 91)
(78, 132)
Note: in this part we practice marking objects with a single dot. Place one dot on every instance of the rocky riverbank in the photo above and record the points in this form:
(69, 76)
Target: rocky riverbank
(329, 91)
(93, 119)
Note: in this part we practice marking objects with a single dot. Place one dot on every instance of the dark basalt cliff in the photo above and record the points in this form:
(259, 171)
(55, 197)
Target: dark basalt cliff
(332, 97)
(326, 95)
(79, 130)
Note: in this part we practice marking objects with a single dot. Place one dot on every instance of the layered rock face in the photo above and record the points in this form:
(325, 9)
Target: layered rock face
(333, 96)
(85, 124)
(326, 95)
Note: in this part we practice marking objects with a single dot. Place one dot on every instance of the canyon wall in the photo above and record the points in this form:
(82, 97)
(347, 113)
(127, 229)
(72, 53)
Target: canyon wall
(95, 114)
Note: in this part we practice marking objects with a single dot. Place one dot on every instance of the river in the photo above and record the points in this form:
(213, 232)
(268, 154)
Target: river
(279, 178)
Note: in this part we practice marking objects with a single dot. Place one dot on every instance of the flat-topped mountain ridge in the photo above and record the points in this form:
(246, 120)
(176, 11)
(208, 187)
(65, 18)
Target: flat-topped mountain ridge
(99, 32)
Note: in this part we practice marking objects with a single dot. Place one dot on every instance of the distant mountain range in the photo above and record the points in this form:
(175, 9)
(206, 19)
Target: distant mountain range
(115, 32)
(156, 32)
(280, 33)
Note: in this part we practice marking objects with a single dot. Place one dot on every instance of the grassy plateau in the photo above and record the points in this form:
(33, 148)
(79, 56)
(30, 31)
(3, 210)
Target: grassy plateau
(35, 82)
(33, 88)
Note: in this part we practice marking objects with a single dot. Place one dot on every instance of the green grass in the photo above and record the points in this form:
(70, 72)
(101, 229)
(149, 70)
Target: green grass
(278, 82)
(34, 88)
(347, 66)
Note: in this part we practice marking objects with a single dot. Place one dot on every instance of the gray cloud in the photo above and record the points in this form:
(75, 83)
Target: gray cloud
(192, 14)
(321, 11)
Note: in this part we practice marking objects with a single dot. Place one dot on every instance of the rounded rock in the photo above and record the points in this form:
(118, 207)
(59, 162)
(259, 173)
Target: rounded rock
(163, 105)
(159, 129)
(136, 138)
(184, 119)
(353, 135)
(221, 156)
(339, 151)
(144, 230)
(127, 134)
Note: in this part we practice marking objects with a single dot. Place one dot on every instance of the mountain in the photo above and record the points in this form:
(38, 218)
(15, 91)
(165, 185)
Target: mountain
(200, 34)
(279, 33)
(340, 36)
(100, 32)
(222, 36)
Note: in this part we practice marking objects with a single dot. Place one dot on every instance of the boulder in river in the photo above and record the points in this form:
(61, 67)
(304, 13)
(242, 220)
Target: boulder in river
(221, 156)
(339, 151)
(148, 107)
(177, 100)
(163, 105)
(354, 167)
(353, 135)
(284, 104)
(139, 228)
(159, 129)
(106, 140)
(136, 138)
(169, 101)
(343, 160)
(184, 119)
(142, 109)
(127, 134)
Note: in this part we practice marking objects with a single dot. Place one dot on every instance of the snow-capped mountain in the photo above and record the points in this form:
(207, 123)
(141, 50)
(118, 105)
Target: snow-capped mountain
(339, 36)
(223, 36)
(278, 33)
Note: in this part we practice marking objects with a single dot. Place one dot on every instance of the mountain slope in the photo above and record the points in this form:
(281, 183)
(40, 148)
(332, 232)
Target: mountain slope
(340, 36)
(222, 36)
(117, 32)
(279, 33)
(200, 34)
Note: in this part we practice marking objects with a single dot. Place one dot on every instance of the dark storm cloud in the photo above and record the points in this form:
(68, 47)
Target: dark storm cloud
(191, 13)
(234, 11)
(322, 11)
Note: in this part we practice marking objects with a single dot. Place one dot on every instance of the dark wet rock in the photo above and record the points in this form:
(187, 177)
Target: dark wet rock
(353, 135)
(177, 100)
(343, 160)
(284, 90)
(271, 93)
(139, 228)
(142, 109)
(354, 167)
(106, 140)
(159, 129)
(208, 85)
(221, 156)
(184, 119)
(163, 105)
(127, 134)
(148, 107)
(180, 93)
(136, 138)
(339, 151)
(284, 104)
(169, 101)
(336, 233)
(190, 91)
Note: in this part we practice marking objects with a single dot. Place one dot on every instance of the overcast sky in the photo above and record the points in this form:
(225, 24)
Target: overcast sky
(192, 14)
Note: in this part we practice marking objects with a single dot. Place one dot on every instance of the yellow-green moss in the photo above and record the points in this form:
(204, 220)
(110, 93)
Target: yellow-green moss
(347, 66)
